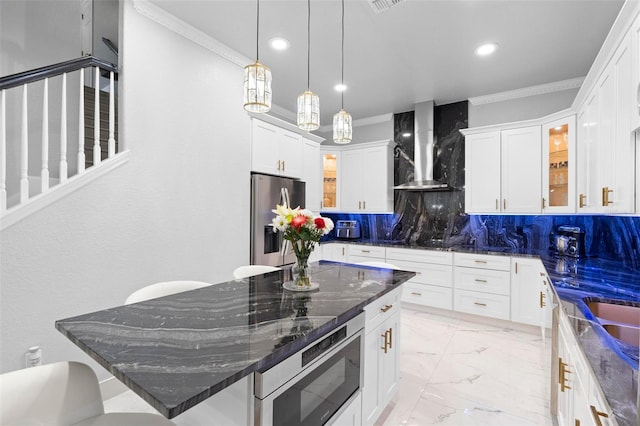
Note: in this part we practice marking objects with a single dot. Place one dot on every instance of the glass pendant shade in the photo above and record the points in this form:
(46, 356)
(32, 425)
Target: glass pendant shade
(257, 88)
(308, 111)
(342, 127)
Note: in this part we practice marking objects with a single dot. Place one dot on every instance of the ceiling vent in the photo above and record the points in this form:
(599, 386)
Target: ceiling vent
(379, 6)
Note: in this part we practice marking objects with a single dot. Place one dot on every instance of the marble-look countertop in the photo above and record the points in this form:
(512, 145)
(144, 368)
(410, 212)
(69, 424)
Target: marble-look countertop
(178, 350)
(577, 282)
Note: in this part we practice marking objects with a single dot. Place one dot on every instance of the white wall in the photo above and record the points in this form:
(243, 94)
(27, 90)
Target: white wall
(526, 108)
(179, 209)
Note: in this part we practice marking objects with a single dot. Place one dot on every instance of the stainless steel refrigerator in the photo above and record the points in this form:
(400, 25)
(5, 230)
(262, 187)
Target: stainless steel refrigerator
(268, 247)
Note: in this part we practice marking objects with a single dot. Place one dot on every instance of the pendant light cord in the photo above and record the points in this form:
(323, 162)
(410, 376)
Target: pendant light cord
(308, 44)
(342, 76)
(257, 31)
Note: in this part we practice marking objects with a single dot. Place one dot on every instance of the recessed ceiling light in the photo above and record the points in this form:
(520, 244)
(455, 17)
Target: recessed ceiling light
(279, 43)
(406, 135)
(486, 49)
(340, 87)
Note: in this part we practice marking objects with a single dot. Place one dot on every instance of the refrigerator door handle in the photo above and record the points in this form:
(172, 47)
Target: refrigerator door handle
(283, 197)
(286, 193)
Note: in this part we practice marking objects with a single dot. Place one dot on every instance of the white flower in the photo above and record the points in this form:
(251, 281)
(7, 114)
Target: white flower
(279, 223)
(328, 225)
(306, 212)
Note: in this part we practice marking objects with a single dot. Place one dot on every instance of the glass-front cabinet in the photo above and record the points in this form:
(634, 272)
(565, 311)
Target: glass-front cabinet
(559, 166)
(330, 175)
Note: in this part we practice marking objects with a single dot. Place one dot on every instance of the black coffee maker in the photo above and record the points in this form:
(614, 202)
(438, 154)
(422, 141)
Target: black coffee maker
(569, 241)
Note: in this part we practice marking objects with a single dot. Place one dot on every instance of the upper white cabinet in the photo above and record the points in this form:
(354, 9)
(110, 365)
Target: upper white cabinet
(635, 74)
(559, 166)
(311, 174)
(521, 170)
(503, 171)
(482, 172)
(275, 150)
(358, 178)
(606, 143)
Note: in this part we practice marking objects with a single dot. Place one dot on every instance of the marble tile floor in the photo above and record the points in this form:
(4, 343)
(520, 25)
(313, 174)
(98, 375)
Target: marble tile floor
(453, 372)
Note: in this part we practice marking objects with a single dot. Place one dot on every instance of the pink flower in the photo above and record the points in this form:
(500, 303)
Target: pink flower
(298, 221)
(319, 222)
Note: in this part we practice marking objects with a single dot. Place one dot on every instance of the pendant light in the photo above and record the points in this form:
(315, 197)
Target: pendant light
(342, 128)
(257, 79)
(308, 102)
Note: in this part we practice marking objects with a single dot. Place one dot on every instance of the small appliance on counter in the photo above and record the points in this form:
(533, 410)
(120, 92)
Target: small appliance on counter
(570, 241)
(347, 229)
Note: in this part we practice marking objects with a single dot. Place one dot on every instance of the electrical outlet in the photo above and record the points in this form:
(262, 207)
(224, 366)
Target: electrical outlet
(33, 357)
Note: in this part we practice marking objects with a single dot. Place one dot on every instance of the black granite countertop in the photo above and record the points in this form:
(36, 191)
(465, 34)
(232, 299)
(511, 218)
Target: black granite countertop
(178, 350)
(577, 282)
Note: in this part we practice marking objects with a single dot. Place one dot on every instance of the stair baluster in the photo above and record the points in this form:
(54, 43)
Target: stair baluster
(81, 156)
(24, 149)
(44, 173)
(112, 118)
(3, 152)
(96, 120)
(63, 130)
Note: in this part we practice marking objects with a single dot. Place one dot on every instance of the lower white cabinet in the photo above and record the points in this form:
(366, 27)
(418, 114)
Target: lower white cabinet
(381, 355)
(527, 296)
(579, 398)
(335, 252)
(479, 303)
(364, 253)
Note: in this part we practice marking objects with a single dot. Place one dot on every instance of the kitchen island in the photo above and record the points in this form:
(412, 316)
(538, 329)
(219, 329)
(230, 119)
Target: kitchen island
(179, 350)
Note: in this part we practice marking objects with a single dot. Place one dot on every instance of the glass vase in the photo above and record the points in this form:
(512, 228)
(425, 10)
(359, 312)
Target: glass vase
(300, 272)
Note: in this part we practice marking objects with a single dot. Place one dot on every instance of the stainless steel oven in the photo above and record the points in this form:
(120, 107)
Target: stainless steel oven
(311, 386)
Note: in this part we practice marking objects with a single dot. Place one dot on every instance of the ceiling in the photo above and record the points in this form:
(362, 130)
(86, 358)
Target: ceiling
(415, 51)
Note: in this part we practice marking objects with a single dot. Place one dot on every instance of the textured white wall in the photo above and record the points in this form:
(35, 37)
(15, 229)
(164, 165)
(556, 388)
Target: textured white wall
(179, 209)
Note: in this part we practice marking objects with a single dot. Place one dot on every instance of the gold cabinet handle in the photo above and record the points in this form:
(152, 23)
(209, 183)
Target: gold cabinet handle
(279, 165)
(542, 274)
(597, 414)
(283, 165)
(364, 205)
(577, 422)
(415, 293)
(478, 280)
(504, 204)
(605, 196)
(544, 203)
(497, 204)
(516, 267)
(366, 251)
(390, 338)
(359, 205)
(583, 200)
(480, 261)
(386, 341)
(542, 296)
(562, 379)
(343, 251)
(479, 304)
(385, 308)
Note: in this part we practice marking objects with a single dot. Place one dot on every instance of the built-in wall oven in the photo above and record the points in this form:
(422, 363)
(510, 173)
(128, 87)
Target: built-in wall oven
(311, 386)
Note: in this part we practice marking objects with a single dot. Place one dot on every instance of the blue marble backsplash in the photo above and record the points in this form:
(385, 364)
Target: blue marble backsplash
(606, 237)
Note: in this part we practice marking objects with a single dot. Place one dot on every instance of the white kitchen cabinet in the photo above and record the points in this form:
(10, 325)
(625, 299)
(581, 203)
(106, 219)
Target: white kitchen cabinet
(526, 293)
(381, 355)
(559, 165)
(482, 173)
(503, 171)
(606, 145)
(432, 284)
(481, 285)
(275, 150)
(366, 178)
(335, 252)
(365, 253)
(311, 174)
(521, 170)
(635, 76)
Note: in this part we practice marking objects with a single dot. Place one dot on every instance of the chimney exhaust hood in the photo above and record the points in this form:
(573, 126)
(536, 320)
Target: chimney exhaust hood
(423, 152)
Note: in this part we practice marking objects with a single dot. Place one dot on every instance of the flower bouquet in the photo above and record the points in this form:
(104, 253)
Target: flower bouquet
(303, 230)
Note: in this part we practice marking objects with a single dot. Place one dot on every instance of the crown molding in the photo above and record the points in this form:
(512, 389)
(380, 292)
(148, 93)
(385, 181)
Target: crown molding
(177, 25)
(540, 89)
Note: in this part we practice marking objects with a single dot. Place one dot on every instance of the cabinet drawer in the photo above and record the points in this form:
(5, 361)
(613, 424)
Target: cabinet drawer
(428, 295)
(440, 275)
(485, 304)
(382, 308)
(484, 261)
(365, 251)
(424, 256)
(484, 280)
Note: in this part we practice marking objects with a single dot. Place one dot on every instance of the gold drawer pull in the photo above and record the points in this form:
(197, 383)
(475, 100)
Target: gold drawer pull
(385, 308)
(391, 338)
(583, 199)
(605, 196)
(480, 261)
(415, 293)
(597, 414)
(366, 251)
(478, 280)
(562, 379)
(542, 296)
(386, 341)
(542, 274)
(479, 304)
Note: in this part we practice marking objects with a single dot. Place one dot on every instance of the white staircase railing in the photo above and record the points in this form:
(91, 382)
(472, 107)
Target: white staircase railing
(15, 160)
